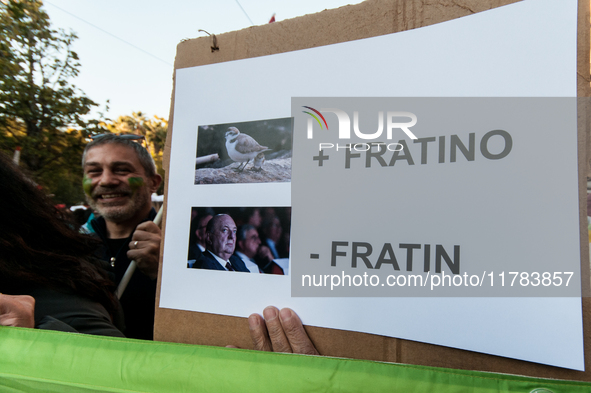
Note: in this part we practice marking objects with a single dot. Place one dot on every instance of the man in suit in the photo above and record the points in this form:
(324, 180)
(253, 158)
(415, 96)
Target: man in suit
(221, 242)
(247, 245)
(197, 238)
(248, 248)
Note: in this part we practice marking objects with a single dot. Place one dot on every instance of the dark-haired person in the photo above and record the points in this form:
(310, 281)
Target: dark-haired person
(197, 237)
(119, 179)
(44, 258)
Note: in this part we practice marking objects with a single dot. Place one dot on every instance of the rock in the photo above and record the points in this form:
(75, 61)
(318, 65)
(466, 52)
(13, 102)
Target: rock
(275, 170)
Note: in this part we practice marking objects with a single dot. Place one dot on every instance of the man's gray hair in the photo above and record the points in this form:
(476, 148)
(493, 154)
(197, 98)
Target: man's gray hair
(142, 154)
(242, 230)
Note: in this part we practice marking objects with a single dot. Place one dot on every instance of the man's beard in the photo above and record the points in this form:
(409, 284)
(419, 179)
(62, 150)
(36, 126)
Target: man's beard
(120, 213)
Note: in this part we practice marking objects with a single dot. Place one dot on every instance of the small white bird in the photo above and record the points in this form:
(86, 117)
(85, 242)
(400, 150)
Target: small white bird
(241, 147)
(259, 160)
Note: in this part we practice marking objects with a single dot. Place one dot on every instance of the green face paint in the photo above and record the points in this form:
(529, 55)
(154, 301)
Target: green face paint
(87, 185)
(135, 183)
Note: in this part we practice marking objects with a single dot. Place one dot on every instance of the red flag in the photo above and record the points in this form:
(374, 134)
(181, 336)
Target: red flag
(272, 19)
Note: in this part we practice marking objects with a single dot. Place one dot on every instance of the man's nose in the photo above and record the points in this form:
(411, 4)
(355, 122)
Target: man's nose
(108, 178)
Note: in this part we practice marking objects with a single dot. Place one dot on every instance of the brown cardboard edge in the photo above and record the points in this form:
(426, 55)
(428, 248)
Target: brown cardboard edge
(371, 18)
(368, 19)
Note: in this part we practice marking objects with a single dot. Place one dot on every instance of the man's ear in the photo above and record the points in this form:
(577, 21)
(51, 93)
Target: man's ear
(155, 181)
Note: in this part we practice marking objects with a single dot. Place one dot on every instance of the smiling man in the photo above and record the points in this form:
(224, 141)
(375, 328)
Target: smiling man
(221, 242)
(119, 179)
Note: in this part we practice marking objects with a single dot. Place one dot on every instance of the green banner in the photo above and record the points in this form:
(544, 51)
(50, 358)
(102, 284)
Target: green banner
(47, 361)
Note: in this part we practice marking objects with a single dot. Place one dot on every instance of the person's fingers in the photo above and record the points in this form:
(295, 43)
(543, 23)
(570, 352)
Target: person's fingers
(148, 226)
(144, 248)
(146, 235)
(146, 260)
(18, 310)
(28, 303)
(296, 335)
(258, 333)
(277, 336)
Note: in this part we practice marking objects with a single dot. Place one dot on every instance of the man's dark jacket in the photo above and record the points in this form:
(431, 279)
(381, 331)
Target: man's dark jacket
(139, 299)
(207, 261)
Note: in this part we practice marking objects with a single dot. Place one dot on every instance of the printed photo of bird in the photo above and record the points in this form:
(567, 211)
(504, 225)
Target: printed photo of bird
(242, 147)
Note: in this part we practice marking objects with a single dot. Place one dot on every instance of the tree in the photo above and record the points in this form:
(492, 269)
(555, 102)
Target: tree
(40, 110)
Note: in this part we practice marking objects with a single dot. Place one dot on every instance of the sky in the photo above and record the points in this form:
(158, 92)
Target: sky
(127, 47)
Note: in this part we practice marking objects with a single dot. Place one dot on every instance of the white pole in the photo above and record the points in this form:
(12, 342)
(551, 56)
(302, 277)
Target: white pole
(131, 268)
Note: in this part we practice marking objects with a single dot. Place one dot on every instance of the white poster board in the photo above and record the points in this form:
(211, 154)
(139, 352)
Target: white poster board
(444, 60)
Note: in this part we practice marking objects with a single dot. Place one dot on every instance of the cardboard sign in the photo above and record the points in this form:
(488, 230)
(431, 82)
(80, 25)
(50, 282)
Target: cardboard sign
(260, 90)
